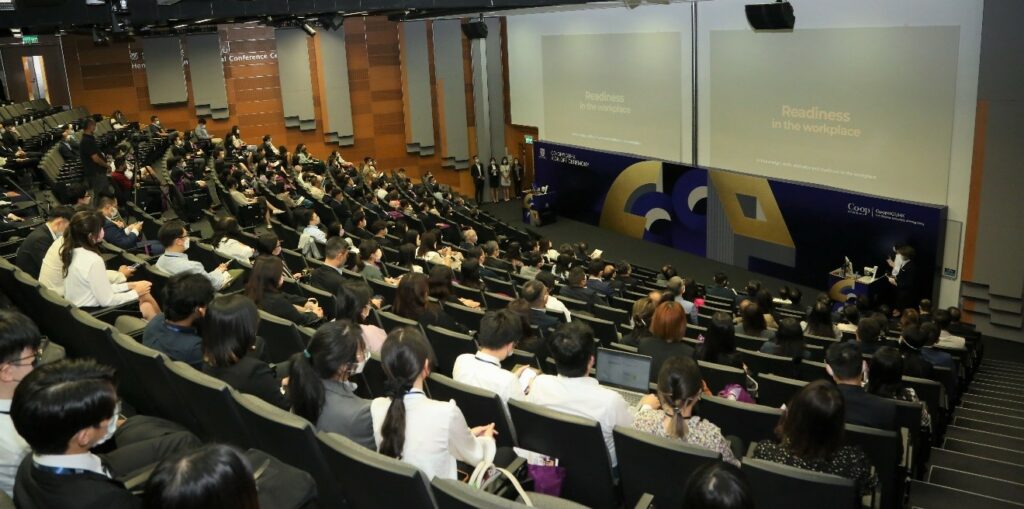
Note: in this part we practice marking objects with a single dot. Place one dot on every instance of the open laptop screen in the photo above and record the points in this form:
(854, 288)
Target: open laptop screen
(623, 369)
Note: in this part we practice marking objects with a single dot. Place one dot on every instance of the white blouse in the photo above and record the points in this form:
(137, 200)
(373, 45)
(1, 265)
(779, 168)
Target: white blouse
(86, 284)
(436, 435)
(235, 249)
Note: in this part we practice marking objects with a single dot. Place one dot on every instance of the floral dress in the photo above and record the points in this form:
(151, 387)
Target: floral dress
(699, 432)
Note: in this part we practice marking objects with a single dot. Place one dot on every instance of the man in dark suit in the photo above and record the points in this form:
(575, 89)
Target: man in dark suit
(491, 259)
(33, 248)
(155, 129)
(477, 172)
(116, 232)
(67, 149)
(63, 426)
(905, 279)
(846, 365)
(575, 289)
(595, 278)
(469, 239)
(536, 294)
(330, 278)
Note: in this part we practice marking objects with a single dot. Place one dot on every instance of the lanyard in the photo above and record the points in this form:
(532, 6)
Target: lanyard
(485, 361)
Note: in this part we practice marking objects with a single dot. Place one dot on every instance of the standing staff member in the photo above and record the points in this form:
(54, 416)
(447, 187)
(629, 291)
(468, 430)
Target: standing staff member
(477, 172)
(904, 278)
(94, 162)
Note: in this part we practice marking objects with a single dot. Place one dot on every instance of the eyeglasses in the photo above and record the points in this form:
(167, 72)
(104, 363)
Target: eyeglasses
(33, 359)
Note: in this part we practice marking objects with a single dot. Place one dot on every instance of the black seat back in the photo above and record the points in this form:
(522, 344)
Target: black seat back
(656, 465)
(448, 346)
(777, 486)
(752, 423)
(579, 446)
(775, 391)
(479, 406)
(281, 338)
(212, 404)
(717, 376)
(371, 480)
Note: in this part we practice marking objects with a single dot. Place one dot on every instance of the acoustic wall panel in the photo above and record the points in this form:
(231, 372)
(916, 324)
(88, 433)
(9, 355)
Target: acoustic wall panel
(207, 69)
(338, 121)
(495, 88)
(451, 86)
(165, 71)
(295, 78)
(419, 111)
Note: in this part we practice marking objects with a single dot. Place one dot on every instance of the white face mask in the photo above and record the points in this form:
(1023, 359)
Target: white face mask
(128, 174)
(358, 368)
(111, 426)
(188, 242)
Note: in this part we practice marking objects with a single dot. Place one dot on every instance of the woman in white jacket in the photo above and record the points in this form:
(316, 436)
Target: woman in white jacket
(85, 275)
(430, 435)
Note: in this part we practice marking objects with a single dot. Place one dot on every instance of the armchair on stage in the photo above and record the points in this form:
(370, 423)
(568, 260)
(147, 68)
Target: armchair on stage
(844, 282)
(539, 207)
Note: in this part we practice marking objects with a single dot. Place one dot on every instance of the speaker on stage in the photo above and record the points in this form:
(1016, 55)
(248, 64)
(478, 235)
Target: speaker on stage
(773, 16)
(475, 30)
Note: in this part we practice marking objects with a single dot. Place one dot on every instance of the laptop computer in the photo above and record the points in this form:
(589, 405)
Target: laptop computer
(624, 372)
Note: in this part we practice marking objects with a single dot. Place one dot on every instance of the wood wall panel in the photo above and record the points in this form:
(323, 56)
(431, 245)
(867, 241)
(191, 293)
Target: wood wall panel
(107, 78)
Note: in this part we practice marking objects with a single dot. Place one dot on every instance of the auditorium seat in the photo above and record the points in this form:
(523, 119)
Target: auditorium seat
(479, 406)
(656, 465)
(448, 345)
(452, 494)
(370, 480)
(885, 450)
(384, 289)
(390, 321)
(777, 486)
(975, 483)
(213, 405)
(750, 343)
(324, 299)
(751, 423)
(281, 337)
(775, 391)
(465, 315)
(578, 444)
(977, 465)
(372, 381)
(291, 439)
(761, 363)
(148, 369)
(493, 301)
(501, 285)
(717, 376)
(604, 330)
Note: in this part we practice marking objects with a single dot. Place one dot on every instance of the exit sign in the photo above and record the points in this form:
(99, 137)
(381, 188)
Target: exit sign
(529, 139)
(30, 39)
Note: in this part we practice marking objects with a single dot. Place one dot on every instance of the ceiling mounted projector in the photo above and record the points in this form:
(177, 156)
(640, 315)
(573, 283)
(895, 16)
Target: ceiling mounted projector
(773, 16)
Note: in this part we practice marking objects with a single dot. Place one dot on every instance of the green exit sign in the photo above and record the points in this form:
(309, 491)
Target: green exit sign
(529, 139)
(30, 39)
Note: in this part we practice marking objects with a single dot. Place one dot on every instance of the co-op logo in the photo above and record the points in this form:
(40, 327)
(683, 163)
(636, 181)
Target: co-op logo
(857, 210)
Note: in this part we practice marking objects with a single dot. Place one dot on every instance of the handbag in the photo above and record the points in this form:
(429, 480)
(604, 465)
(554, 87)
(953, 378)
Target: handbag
(486, 473)
(547, 479)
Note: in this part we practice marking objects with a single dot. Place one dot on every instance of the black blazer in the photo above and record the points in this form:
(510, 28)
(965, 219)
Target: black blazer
(434, 315)
(543, 321)
(282, 305)
(327, 279)
(251, 376)
(40, 489)
(867, 409)
(584, 294)
(33, 249)
(906, 286)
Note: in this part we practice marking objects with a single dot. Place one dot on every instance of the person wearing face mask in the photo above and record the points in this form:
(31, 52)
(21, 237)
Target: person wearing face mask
(175, 332)
(33, 248)
(500, 331)
(155, 129)
(85, 276)
(116, 232)
(353, 302)
(20, 350)
(174, 237)
(319, 385)
(68, 148)
(65, 409)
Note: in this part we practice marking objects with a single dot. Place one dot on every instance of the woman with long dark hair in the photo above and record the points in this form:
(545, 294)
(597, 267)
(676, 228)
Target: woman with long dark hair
(431, 435)
(412, 302)
(319, 385)
(788, 341)
(85, 275)
(810, 436)
(229, 343)
(227, 235)
(669, 413)
(719, 344)
(752, 322)
(353, 302)
(264, 288)
(819, 322)
(886, 380)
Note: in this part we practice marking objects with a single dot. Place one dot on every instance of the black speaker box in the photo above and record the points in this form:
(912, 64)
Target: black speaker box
(475, 30)
(773, 16)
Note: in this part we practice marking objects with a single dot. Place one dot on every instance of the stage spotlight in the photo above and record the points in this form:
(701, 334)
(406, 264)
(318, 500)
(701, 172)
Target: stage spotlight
(773, 16)
(306, 27)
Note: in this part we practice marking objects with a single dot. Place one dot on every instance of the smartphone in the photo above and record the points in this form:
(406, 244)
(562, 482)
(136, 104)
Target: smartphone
(135, 265)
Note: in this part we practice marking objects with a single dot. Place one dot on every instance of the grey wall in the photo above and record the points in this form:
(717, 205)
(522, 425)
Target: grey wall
(996, 289)
(449, 72)
(338, 124)
(207, 71)
(295, 77)
(419, 111)
(495, 88)
(165, 74)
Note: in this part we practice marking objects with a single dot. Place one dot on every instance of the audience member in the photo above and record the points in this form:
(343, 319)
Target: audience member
(752, 322)
(264, 288)
(175, 239)
(669, 413)
(595, 281)
(675, 287)
(719, 344)
(431, 435)
(552, 302)
(810, 436)
(846, 365)
(573, 390)
(575, 288)
(175, 332)
(320, 386)
(20, 352)
(868, 334)
(33, 248)
(886, 381)
(412, 302)
(788, 341)
(212, 476)
(536, 294)
(819, 322)
(668, 328)
(912, 341)
(329, 277)
(500, 333)
(929, 352)
(943, 319)
(353, 302)
(229, 344)
(717, 485)
(643, 312)
(227, 240)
